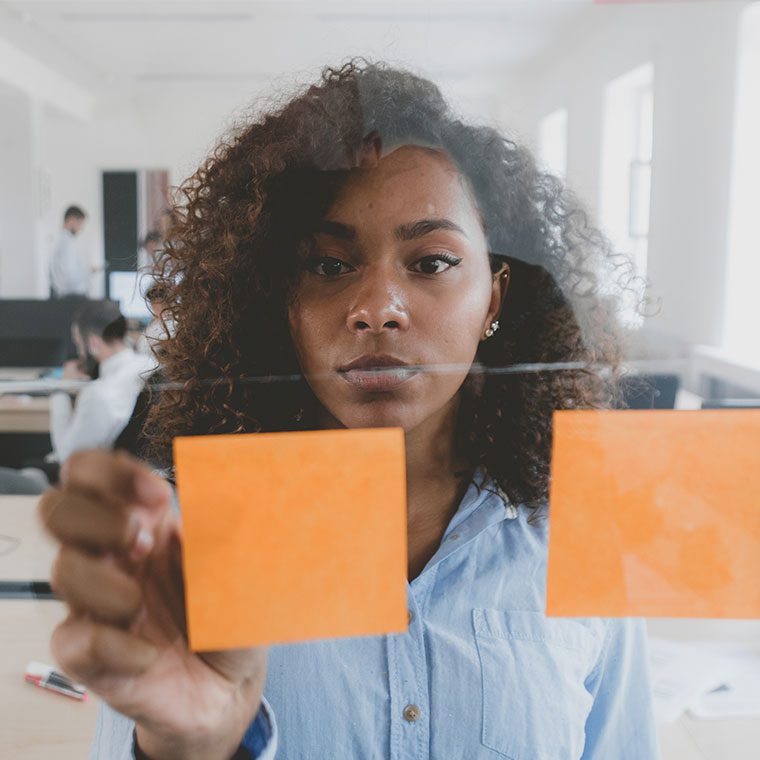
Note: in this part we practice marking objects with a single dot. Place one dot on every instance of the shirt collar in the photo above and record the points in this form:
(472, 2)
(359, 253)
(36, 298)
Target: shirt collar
(483, 505)
(114, 363)
(482, 492)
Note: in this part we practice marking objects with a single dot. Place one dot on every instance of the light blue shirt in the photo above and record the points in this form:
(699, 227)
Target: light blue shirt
(481, 674)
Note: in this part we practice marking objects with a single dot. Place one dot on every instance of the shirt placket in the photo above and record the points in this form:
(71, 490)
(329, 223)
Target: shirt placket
(407, 660)
(409, 683)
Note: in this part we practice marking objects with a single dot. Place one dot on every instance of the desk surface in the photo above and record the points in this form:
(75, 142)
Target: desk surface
(34, 724)
(26, 551)
(37, 724)
(24, 414)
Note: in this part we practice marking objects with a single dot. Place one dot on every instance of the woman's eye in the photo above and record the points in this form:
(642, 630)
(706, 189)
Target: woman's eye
(327, 266)
(436, 263)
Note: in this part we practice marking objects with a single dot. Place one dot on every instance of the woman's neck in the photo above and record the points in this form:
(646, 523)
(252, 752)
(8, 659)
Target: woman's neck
(436, 479)
(434, 486)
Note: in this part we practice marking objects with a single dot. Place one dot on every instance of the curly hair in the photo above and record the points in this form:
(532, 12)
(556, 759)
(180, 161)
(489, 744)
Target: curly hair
(229, 268)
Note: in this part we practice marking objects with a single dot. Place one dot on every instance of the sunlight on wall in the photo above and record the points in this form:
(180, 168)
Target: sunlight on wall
(742, 310)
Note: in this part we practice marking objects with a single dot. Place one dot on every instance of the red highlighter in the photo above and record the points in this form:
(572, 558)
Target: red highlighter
(47, 677)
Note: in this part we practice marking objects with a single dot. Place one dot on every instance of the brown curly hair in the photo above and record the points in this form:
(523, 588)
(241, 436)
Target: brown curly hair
(230, 264)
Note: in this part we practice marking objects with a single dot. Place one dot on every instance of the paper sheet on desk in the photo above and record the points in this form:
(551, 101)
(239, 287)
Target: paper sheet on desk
(680, 672)
(738, 694)
(707, 679)
(292, 536)
(655, 513)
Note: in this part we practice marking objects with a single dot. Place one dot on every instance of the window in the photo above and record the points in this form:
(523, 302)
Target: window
(742, 313)
(552, 142)
(626, 178)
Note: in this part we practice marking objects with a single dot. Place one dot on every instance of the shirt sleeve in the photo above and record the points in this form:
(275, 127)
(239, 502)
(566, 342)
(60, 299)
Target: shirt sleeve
(68, 272)
(621, 722)
(88, 426)
(114, 735)
(60, 419)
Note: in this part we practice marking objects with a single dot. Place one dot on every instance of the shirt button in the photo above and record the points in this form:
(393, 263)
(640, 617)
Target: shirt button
(410, 616)
(453, 536)
(411, 713)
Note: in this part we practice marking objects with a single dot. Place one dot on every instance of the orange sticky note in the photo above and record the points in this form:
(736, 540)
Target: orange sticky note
(292, 536)
(655, 513)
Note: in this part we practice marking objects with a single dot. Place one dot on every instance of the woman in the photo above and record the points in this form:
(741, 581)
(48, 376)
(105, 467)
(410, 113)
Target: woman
(366, 239)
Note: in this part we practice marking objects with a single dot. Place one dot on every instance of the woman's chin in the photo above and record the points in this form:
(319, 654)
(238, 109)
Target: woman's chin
(374, 416)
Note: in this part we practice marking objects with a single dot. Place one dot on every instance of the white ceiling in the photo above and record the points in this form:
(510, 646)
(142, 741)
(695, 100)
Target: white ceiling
(106, 44)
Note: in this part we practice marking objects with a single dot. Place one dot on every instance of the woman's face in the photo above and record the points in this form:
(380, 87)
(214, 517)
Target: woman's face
(395, 279)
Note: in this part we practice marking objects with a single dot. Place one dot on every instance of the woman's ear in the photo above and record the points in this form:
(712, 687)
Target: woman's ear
(499, 288)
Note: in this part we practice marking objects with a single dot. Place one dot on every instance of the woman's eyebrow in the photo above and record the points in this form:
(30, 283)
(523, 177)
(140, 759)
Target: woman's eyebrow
(413, 230)
(336, 229)
(408, 231)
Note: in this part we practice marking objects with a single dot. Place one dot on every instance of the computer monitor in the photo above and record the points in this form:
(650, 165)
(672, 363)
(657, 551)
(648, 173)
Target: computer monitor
(37, 333)
(649, 391)
(33, 352)
(731, 403)
(128, 288)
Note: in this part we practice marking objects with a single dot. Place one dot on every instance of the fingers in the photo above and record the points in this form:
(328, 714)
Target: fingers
(88, 650)
(96, 586)
(108, 502)
(81, 520)
(114, 477)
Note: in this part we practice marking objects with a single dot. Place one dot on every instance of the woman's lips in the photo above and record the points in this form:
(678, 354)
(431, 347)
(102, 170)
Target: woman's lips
(377, 373)
(379, 379)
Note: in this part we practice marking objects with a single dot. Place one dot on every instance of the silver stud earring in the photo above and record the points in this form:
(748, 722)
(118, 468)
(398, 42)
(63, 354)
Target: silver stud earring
(492, 329)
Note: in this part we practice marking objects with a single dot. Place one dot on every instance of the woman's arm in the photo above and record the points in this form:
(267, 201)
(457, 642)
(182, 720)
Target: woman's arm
(119, 569)
(621, 721)
(114, 735)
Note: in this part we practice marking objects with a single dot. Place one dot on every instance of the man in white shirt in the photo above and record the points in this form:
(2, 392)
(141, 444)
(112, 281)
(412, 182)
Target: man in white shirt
(149, 253)
(103, 406)
(69, 275)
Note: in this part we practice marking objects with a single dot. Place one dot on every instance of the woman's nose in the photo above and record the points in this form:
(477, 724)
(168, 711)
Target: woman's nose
(379, 305)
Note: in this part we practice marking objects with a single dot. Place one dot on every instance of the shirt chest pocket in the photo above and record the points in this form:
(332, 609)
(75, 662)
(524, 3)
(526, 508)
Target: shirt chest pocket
(535, 703)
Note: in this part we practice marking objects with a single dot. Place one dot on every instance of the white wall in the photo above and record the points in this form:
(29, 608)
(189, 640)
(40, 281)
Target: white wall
(155, 130)
(693, 48)
(171, 126)
(18, 212)
(743, 312)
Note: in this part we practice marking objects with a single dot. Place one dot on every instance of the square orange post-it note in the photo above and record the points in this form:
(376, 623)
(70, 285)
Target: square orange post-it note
(292, 536)
(655, 513)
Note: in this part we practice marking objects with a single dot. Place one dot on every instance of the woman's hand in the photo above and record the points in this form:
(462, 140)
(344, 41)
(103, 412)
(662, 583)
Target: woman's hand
(119, 570)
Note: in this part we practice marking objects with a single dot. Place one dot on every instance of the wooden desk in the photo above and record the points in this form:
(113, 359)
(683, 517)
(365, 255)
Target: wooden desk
(22, 373)
(26, 551)
(24, 414)
(37, 724)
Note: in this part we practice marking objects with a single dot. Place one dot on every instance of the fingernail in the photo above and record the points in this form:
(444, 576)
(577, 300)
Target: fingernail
(143, 543)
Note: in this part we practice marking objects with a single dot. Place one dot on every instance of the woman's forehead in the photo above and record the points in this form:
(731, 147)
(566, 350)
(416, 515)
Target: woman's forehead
(404, 183)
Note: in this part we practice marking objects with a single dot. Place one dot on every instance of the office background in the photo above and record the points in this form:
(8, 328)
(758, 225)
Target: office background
(650, 110)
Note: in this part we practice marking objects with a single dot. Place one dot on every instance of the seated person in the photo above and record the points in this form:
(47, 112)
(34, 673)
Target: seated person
(133, 438)
(29, 481)
(160, 327)
(103, 407)
(149, 253)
